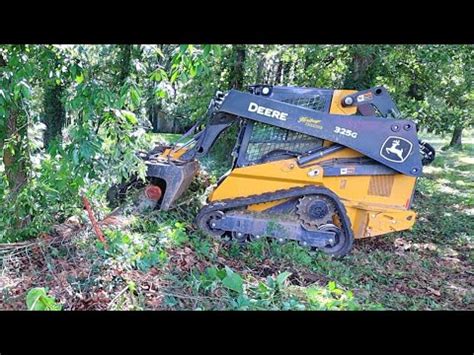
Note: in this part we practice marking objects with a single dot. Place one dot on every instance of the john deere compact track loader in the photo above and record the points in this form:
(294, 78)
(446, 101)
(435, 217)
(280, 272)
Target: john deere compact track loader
(316, 166)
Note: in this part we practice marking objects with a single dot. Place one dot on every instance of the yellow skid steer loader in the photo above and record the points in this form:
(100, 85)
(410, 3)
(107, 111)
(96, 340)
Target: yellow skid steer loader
(316, 166)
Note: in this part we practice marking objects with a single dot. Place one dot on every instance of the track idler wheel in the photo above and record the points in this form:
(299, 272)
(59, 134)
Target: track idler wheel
(342, 244)
(206, 223)
(254, 238)
(240, 238)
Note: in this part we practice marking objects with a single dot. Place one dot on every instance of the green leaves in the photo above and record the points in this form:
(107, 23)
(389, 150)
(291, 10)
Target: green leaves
(79, 78)
(159, 75)
(160, 93)
(123, 116)
(253, 293)
(37, 299)
(233, 281)
(281, 278)
(130, 116)
(332, 297)
(332, 286)
(217, 50)
(133, 250)
(192, 70)
(206, 49)
(184, 47)
(135, 96)
(22, 90)
(174, 76)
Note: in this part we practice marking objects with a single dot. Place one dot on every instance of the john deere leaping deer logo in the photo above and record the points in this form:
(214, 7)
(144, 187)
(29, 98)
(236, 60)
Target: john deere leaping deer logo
(396, 149)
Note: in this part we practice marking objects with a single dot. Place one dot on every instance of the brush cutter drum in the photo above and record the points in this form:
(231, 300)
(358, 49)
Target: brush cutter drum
(173, 178)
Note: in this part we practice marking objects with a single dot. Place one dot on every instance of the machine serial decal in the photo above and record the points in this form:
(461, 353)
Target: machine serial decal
(345, 132)
(364, 97)
(347, 171)
(396, 149)
(311, 122)
(266, 111)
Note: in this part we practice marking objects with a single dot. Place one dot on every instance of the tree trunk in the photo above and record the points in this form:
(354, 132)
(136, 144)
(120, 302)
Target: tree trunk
(278, 73)
(160, 121)
(125, 60)
(358, 77)
(238, 68)
(456, 138)
(15, 154)
(54, 113)
(415, 92)
(285, 75)
(291, 73)
(260, 68)
(224, 145)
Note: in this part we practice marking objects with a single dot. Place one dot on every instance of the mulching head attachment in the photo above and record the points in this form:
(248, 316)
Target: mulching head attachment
(173, 178)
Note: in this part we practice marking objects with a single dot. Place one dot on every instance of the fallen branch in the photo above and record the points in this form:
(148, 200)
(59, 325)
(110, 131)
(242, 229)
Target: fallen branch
(117, 297)
(95, 225)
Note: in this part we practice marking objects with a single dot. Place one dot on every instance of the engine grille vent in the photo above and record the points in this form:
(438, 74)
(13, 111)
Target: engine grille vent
(381, 185)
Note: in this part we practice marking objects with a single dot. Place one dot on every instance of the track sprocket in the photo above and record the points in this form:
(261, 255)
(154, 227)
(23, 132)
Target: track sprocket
(315, 211)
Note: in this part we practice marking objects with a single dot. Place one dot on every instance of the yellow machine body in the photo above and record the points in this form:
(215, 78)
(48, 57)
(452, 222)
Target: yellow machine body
(375, 205)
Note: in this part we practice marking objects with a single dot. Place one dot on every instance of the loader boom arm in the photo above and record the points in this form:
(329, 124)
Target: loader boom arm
(391, 142)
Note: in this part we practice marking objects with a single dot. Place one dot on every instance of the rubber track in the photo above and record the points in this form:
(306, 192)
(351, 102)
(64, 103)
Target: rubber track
(228, 204)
